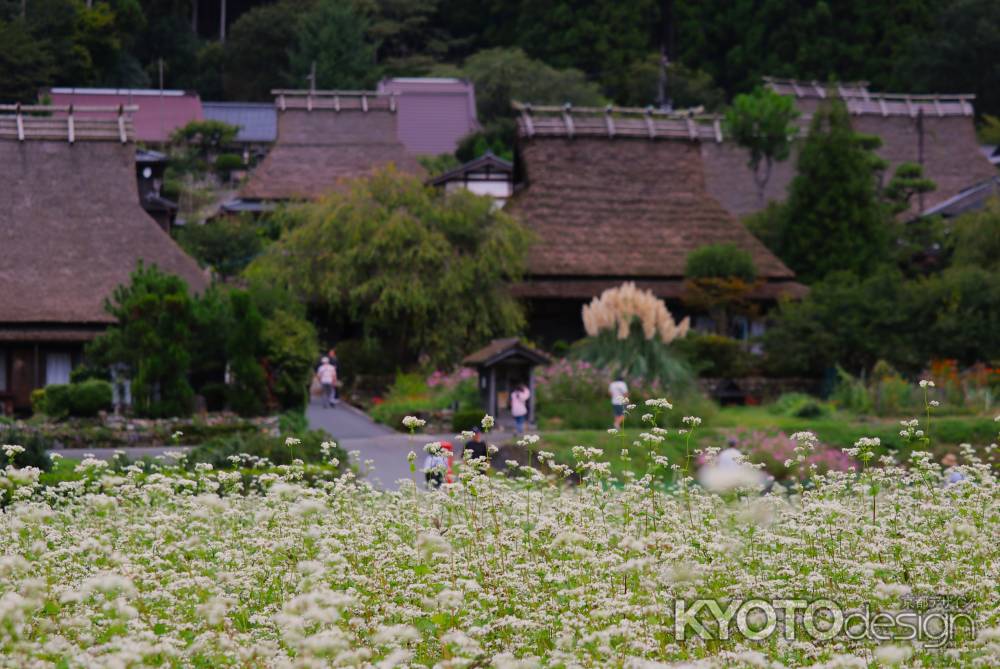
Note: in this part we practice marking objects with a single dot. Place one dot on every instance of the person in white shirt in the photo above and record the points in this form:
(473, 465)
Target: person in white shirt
(619, 393)
(327, 377)
(519, 406)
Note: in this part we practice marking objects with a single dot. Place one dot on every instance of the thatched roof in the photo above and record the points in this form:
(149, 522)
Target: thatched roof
(325, 138)
(608, 207)
(936, 131)
(72, 228)
(499, 350)
(860, 100)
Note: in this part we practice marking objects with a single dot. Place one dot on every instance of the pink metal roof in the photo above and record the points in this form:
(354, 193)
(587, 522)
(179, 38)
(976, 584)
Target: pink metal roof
(434, 113)
(160, 112)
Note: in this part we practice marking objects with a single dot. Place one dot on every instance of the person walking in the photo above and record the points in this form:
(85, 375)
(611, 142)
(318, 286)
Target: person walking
(519, 407)
(476, 447)
(618, 390)
(327, 377)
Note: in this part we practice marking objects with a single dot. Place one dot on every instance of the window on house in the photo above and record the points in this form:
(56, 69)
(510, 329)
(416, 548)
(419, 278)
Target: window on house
(3, 370)
(57, 367)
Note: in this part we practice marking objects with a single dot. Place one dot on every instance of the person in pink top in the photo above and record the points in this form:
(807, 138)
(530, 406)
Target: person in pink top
(519, 406)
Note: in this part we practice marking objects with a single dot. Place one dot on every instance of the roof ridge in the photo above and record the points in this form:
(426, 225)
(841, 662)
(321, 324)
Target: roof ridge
(60, 122)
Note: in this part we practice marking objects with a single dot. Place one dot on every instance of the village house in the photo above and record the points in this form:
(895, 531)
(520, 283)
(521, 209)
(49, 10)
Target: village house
(150, 167)
(617, 195)
(326, 138)
(71, 229)
(935, 131)
(487, 175)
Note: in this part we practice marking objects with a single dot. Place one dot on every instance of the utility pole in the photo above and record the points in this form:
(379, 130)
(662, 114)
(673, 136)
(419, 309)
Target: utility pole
(162, 130)
(222, 20)
(312, 78)
(663, 99)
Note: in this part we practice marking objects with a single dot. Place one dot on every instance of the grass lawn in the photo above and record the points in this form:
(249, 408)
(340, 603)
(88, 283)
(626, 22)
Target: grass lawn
(838, 430)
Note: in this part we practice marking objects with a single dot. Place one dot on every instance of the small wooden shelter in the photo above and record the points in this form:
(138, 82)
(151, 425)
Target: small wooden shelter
(503, 365)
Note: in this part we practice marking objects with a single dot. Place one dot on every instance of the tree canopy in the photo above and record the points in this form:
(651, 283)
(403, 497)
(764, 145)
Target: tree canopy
(763, 122)
(425, 274)
(715, 49)
(833, 218)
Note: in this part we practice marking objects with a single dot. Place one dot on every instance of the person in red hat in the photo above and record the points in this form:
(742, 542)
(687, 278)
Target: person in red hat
(438, 466)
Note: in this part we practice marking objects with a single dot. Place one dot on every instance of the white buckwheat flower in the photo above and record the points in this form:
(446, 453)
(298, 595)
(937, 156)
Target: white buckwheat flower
(412, 422)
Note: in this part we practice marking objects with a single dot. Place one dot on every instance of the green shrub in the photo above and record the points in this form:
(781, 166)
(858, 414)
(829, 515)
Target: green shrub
(36, 447)
(227, 162)
(466, 419)
(720, 261)
(217, 452)
(712, 355)
(38, 401)
(290, 346)
(851, 393)
(392, 412)
(57, 400)
(90, 397)
(799, 405)
(82, 400)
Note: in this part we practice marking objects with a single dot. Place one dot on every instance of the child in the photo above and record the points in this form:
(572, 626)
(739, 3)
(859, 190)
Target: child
(437, 466)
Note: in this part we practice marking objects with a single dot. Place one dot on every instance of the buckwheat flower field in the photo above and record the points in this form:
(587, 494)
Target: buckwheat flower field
(165, 567)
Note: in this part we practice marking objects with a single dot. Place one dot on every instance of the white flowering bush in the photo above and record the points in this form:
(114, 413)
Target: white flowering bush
(167, 568)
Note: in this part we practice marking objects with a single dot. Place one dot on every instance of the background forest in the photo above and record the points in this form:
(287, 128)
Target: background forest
(608, 49)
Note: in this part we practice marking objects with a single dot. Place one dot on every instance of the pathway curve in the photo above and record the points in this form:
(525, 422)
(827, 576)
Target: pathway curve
(385, 448)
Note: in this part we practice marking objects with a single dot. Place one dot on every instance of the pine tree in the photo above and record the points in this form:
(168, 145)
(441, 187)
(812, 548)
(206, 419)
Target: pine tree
(833, 218)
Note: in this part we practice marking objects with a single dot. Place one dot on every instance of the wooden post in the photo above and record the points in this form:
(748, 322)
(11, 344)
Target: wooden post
(222, 21)
(491, 408)
(312, 78)
(531, 390)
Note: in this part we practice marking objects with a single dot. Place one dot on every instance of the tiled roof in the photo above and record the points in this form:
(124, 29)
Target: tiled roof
(257, 121)
(487, 163)
(434, 113)
(158, 113)
(973, 198)
(72, 229)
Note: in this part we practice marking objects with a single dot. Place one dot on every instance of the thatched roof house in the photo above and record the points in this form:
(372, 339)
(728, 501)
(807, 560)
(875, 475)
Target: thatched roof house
(620, 195)
(326, 138)
(935, 131)
(71, 230)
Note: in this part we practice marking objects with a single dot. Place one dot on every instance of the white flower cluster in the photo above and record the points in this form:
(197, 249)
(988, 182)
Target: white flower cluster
(413, 423)
(172, 567)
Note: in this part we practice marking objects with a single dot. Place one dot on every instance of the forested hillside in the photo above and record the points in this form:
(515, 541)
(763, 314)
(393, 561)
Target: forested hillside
(716, 48)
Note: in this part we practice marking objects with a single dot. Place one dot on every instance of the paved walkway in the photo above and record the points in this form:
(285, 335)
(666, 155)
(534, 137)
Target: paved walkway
(384, 447)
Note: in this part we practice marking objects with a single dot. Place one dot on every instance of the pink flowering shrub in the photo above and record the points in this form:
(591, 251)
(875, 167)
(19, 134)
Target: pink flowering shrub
(775, 450)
